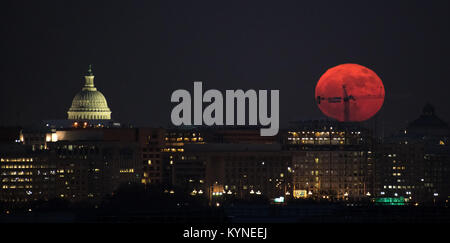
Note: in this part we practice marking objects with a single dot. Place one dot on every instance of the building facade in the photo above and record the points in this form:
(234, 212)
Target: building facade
(414, 163)
(331, 160)
(238, 171)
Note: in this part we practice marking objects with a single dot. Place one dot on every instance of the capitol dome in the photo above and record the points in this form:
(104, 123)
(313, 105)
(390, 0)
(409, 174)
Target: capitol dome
(89, 103)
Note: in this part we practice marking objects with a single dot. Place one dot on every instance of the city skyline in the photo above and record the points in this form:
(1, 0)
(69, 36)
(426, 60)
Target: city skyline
(91, 162)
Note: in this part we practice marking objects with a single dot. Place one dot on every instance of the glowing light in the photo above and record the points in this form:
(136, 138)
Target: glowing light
(300, 194)
(390, 201)
(279, 199)
(54, 137)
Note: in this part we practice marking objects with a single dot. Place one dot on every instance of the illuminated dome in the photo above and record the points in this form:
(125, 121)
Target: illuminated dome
(89, 103)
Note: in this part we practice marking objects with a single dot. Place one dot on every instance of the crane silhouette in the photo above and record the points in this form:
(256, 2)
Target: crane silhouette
(345, 99)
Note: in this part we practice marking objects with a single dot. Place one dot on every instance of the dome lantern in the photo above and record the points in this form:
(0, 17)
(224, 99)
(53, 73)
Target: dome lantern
(89, 80)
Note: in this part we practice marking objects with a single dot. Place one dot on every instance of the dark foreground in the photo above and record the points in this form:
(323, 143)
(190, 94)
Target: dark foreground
(306, 213)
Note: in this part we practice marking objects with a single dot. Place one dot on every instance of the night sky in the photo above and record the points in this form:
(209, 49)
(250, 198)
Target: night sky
(142, 51)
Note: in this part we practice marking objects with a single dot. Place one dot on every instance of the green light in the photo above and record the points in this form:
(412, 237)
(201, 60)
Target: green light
(279, 199)
(391, 201)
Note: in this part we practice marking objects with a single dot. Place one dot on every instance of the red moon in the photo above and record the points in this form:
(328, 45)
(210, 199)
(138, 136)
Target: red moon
(350, 93)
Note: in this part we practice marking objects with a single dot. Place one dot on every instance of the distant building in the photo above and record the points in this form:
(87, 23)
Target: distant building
(415, 163)
(316, 159)
(175, 140)
(331, 160)
(78, 164)
(234, 170)
(89, 103)
(89, 170)
(434, 133)
(154, 164)
(89, 109)
(25, 175)
(400, 170)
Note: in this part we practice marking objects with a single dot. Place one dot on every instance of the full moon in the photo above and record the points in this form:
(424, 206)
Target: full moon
(350, 93)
